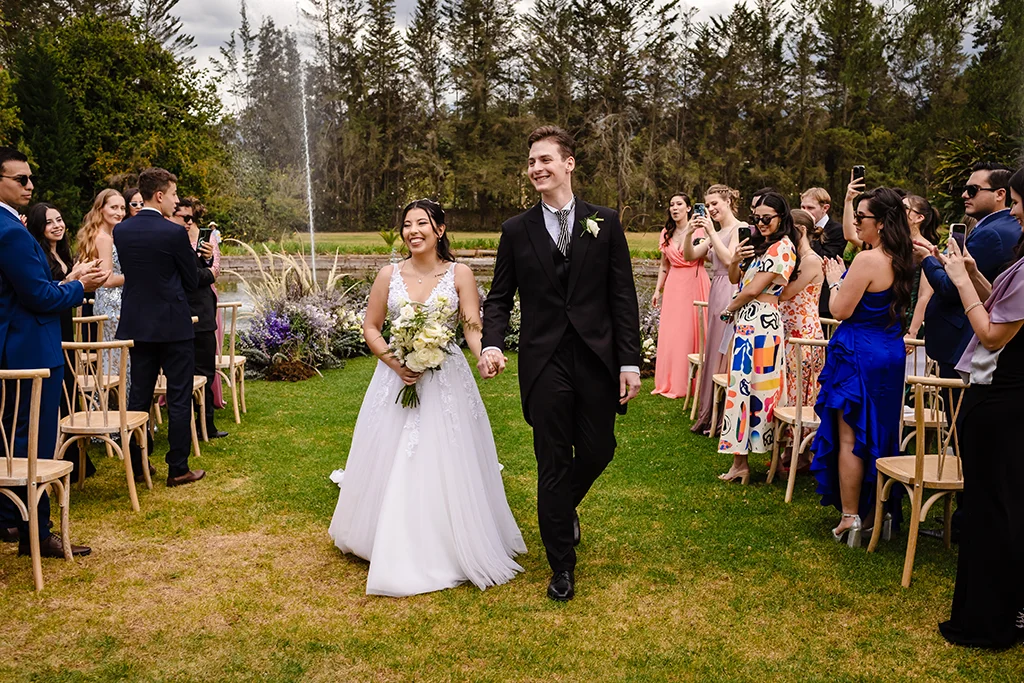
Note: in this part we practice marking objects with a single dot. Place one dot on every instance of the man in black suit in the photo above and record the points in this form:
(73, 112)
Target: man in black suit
(817, 202)
(203, 304)
(579, 352)
(159, 267)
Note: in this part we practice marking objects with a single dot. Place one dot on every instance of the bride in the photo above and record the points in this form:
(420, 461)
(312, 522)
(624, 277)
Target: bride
(422, 497)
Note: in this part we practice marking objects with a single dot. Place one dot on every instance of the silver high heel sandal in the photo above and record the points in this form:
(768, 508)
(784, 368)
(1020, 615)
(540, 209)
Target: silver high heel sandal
(886, 528)
(851, 532)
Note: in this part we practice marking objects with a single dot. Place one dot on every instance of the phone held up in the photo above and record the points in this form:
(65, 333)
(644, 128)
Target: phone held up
(700, 210)
(204, 238)
(858, 173)
(743, 232)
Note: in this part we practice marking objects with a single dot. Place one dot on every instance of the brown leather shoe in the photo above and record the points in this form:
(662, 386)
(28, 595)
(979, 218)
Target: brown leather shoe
(51, 547)
(187, 478)
(9, 535)
(140, 477)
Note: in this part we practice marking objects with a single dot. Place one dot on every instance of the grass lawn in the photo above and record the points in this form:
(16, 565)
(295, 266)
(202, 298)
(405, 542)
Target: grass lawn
(641, 245)
(680, 578)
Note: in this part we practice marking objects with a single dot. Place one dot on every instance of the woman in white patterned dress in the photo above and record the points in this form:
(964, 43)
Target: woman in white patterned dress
(421, 496)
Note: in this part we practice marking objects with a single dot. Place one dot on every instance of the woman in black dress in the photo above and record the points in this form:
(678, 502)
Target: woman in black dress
(988, 602)
(47, 225)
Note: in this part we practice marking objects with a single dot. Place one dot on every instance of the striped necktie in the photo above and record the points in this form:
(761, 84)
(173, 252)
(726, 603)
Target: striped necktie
(563, 231)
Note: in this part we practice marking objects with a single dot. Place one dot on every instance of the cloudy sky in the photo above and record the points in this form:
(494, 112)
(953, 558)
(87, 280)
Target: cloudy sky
(211, 21)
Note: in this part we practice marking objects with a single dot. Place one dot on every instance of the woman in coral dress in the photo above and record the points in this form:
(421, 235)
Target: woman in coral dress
(680, 283)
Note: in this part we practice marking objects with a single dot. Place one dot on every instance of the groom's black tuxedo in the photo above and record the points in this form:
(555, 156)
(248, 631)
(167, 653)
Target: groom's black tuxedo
(580, 325)
(595, 296)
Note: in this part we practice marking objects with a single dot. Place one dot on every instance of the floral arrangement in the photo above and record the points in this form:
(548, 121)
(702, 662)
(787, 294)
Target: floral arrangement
(420, 339)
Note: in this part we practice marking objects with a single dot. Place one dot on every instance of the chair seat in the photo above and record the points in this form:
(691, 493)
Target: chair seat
(94, 423)
(901, 468)
(198, 382)
(88, 382)
(932, 417)
(695, 358)
(46, 470)
(808, 418)
(224, 362)
(721, 379)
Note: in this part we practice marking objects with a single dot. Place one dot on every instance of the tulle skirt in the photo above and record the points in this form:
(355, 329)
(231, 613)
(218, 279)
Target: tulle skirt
(422, 497)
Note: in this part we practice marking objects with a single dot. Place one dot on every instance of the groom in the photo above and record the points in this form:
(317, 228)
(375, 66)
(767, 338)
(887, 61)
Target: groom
(579, 352)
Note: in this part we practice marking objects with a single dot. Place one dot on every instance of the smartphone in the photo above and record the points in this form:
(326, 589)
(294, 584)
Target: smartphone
(204, 237)
(957, 228)
(743, 232)
(858, 173)
(699, 210)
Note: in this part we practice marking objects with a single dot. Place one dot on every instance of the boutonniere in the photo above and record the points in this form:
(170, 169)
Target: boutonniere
(590, 224)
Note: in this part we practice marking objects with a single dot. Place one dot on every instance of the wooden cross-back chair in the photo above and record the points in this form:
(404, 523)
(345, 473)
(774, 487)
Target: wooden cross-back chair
(93, 419)
(828, 326)
(940, 472)
(231, 366)
(26, 469)
(800, 417)
(695, 361)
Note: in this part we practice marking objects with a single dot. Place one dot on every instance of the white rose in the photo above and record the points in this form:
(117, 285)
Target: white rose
(592, 227)
(406, 313)
(431, 358)
(414, 361)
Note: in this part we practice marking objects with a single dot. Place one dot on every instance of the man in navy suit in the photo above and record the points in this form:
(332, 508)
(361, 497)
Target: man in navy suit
(991, 243)
(30, 306)
(159, 268)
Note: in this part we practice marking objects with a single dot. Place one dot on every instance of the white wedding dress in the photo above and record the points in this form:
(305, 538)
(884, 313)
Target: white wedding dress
(421, 496)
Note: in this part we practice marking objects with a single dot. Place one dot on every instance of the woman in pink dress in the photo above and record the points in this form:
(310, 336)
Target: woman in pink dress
(680, 283)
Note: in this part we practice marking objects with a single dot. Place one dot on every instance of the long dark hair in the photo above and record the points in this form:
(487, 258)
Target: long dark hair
(1016, 183)
(787, 228)
(894, 231)
(436, 215)
(128, 194)
(932, 220)
(670, 225)
(36, 225)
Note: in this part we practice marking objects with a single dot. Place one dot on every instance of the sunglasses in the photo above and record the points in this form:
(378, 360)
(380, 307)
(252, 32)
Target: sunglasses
(23, 180)
(188, 219)
(136, 205)
(972, 190)
(764, 220)
(858, 217)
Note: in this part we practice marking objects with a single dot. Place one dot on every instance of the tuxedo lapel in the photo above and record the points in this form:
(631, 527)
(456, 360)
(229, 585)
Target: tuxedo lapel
(579, 244)
(542, 244)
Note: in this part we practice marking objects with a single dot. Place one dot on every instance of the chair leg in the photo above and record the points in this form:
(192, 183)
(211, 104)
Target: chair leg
(195, 436)
(714, 411)
(141, 433)
(234, 397)
(696, 396)
(33, 535)
(876, 532)
(947, 531)
(81, 462)
(777, 429)
(202, 413)
(65, 517)
(794, 459)
(915, 523)
(241, 381)
(125, 453)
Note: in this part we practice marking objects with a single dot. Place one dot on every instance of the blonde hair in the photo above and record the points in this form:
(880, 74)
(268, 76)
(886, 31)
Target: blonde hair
(85, 247)
(818, 194)
(730, 195)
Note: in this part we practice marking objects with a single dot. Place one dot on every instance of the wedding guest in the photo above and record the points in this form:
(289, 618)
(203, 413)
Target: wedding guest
(682, 282)
(722, 202)
(215, 240)
(924, 223)
(831, 242)
(30, 304)
(45, 223)
(95, 240)
(988, 602)
(159, 270)
(860, 398)
(798, 305)
(133, 201)
(991, 244)
(203, 304)
(755, 373)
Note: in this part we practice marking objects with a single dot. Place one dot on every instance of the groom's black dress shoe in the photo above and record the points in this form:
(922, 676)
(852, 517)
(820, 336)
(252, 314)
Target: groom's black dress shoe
(562, 586)
(575, 528)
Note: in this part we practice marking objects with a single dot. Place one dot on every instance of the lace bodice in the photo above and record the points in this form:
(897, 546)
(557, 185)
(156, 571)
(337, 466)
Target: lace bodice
(444, 290)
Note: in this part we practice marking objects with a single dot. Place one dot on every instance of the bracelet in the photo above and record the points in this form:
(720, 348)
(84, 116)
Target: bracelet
(835, 285)
(972, 307)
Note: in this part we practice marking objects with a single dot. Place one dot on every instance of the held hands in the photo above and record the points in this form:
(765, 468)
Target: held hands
(629, 387)
(834, 269)
(491, 363)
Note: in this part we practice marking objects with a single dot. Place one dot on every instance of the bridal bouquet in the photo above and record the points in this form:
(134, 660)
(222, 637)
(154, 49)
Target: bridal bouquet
(419, 340)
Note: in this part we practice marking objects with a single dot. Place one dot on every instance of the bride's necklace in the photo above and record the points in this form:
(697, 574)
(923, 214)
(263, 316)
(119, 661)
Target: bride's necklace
(419, 276)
